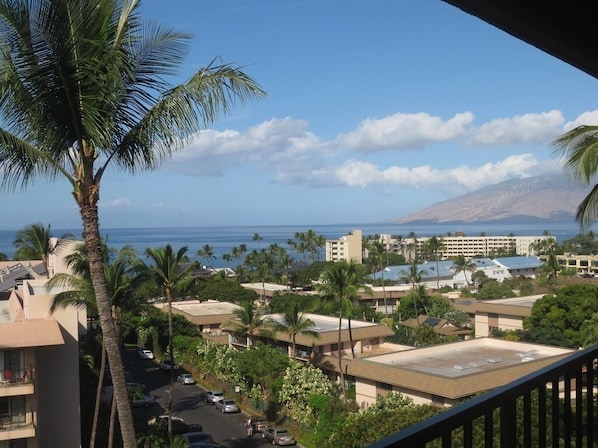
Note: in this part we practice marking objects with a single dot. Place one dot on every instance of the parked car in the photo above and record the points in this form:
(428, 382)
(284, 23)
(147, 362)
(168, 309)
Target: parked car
(167, 365)
(212, 396)
(143, 401)
(185, 378)
(227, 406)
(260, 424)
(144, 353)
(279, 436)
(194, 437)
(178, 424)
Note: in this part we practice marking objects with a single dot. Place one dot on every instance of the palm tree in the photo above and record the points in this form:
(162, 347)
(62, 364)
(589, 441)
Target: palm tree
(340, 283)
(84, 86)
(165, 271)
(120, 281)
(249, 322)
(436, 245)
(206, 252)
(462, 264)
(376, 253)
(294, 322)
(414, 276)
(34, 242)
(578, 148)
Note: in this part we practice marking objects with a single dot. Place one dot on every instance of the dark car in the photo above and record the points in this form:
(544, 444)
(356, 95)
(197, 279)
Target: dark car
(194, 437)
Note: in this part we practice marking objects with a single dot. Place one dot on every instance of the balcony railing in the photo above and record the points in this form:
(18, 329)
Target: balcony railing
(556, 406)
(14, 422)
(15, 377)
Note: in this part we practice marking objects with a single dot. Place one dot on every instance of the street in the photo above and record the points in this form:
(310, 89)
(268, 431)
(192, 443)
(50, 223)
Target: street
(189, 404)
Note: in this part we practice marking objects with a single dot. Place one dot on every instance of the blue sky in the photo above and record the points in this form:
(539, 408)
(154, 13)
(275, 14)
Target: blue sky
(375, 110)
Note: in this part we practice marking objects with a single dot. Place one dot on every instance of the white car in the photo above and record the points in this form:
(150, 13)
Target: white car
(144, 353)
(143, 401)
(212, 396)
(185, 378)
(226, 406)
(167, 365)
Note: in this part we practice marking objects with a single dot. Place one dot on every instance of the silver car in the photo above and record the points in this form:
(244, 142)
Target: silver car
(227, 406)
(212, 396)
(185, 378)
(279, 436)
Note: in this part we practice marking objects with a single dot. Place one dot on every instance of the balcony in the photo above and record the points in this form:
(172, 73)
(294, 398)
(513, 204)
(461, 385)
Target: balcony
(16, 382)
(556, 406)
(16, 426)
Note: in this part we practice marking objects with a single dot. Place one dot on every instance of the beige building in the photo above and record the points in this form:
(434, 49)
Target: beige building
(585, 265)
(468, 246)
(39, 369)
(445, 374)
(347, 247)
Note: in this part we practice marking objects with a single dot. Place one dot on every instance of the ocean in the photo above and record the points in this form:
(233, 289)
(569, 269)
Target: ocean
(224, 238)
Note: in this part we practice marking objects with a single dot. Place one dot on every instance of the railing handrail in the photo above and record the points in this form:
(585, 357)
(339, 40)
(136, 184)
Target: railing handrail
(436, 426)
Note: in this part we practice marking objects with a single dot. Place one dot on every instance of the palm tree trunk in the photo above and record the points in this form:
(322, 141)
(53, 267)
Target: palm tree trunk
(171, 355)
(91, 235)
(351, 337)
(340, 356)
(96, 409)
(112, 422)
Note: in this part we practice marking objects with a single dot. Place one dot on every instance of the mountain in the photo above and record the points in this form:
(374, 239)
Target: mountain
(552, 198)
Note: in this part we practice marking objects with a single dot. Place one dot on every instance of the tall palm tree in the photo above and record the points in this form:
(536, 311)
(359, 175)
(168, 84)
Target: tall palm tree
(414, 276)
(120, 281)
(248, 322)
(462, 264)
(294, 322)
(340, 282)
(436, 245)
(34, 242)
(206, 252)
(578, 148)
(84, 86)
(166, 272)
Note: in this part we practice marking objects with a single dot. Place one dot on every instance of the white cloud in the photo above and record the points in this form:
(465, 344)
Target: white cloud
(587, 118)
(404, 131)
(355, 173)
(539, 128)
(117, 203)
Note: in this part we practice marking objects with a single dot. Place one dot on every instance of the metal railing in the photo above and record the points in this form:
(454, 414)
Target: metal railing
(12, 422)
(15, 377)
(556, 407)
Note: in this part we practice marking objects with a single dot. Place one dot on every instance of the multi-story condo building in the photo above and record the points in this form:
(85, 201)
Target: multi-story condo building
(39, 369)
(468, 246)
(347, 247)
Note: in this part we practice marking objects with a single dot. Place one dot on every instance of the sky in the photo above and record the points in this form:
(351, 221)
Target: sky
(374, 110)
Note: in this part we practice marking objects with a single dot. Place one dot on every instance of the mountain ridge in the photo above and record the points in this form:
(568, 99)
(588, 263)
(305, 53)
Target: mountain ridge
(547, 198)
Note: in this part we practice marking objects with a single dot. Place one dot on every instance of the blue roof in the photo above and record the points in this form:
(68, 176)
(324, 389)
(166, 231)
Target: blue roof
(520, 262)
(427, 271)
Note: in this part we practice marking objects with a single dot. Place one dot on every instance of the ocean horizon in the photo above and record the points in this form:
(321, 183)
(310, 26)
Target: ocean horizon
(224, 238)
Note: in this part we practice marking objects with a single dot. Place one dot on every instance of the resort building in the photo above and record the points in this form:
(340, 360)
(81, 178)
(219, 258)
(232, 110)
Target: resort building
(347, 247)
(584, 265)
(501, 314)
(468, 246)
(39, 369)
(208, 315)
(444, 374)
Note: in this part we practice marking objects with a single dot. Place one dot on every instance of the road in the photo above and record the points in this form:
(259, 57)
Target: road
(189, 404)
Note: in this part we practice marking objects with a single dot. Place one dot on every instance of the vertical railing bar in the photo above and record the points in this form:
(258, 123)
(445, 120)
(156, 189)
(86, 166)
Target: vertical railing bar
(542, 416)
(447, 440)
(555, 413)
(468, 434)
(508, 423)
(527, 420)
(567, 411)
(579, 407)
(488, 428)
(590, 425)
